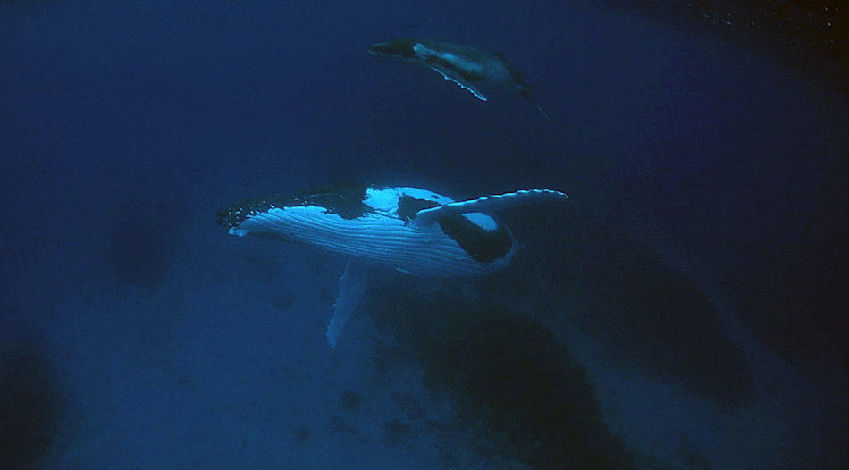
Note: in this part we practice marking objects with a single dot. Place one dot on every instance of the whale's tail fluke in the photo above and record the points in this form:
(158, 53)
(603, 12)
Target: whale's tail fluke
(528, 94)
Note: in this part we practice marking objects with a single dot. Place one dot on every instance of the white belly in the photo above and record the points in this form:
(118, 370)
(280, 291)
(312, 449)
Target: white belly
(374, 237)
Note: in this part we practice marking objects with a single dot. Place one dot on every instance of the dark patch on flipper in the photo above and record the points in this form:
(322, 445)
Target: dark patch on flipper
(409, 206)
(344, 200)
(482, 245)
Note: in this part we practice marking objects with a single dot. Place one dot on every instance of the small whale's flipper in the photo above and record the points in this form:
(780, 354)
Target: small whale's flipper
(352, 287)
(488, 203)
(453, 76)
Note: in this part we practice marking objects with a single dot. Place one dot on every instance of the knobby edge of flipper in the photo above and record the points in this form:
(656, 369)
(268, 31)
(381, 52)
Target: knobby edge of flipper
(451, 77)
(487, 203)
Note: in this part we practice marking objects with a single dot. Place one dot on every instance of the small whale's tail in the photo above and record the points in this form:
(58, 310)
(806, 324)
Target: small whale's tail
(528, 94)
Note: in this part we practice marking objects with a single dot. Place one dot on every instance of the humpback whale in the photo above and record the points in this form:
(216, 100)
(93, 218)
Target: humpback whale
(466, 66)
(413, 230)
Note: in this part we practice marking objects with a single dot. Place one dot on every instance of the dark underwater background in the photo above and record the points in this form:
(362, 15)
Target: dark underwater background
(685, 309)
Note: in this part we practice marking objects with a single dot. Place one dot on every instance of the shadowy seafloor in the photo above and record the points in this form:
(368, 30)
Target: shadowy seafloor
(31, 404)
(644, 311)
(140, 252)
(507, 375)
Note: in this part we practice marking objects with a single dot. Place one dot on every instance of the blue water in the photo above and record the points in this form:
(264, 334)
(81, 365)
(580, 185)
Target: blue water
(684, 309)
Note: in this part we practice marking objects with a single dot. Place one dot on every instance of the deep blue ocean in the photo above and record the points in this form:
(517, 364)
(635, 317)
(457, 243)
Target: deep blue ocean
(685, 308)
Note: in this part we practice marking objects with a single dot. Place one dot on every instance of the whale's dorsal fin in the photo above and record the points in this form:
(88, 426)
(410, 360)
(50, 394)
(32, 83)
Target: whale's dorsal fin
(487, 203)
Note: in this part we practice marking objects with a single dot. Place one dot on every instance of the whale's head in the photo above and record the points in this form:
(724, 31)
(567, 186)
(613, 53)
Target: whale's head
(396, 48)
(256, 215)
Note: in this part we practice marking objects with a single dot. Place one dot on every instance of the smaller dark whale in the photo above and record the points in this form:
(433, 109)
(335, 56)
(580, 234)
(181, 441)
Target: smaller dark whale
(464, 65)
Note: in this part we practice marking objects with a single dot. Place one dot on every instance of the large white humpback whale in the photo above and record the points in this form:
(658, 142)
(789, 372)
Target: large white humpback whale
(466, 66)
(412, 230)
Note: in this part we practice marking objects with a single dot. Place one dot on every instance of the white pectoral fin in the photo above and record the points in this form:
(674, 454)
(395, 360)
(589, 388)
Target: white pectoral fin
(489, 203)
(352, 287)
(452, 77)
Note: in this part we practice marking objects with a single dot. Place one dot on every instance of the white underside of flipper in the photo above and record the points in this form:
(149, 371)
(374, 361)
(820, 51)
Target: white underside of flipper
(452, 77)
(352, 287)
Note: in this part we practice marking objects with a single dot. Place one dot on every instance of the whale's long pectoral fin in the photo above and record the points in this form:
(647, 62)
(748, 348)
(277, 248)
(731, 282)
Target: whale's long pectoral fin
(453, 76)
(488, 203)
(352, 287)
